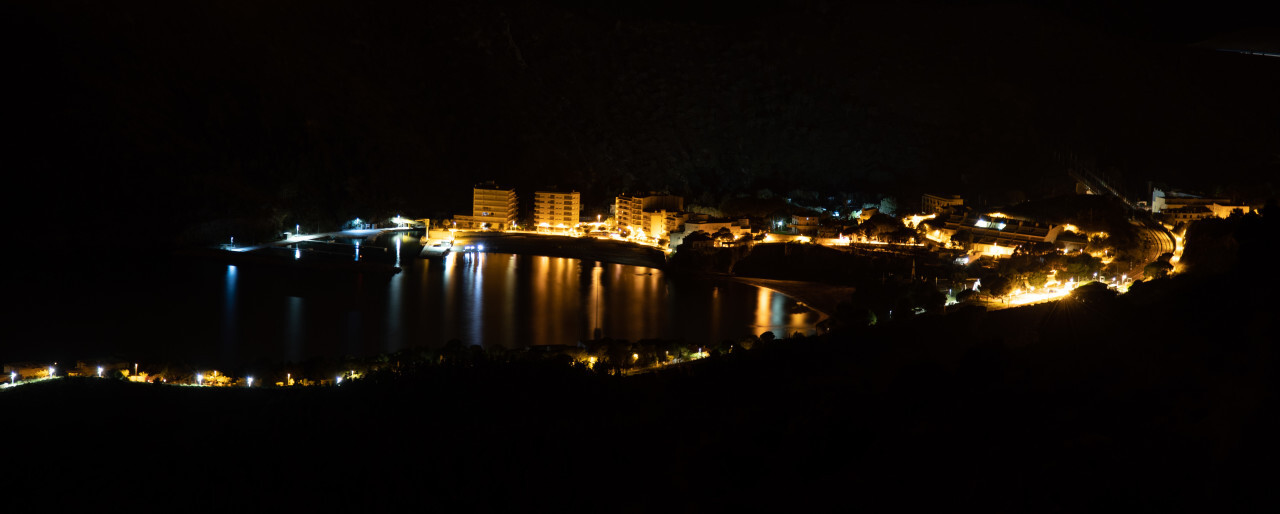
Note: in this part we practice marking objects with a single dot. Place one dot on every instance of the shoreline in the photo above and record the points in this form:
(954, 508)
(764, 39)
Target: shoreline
(582, 248)
(822, 298)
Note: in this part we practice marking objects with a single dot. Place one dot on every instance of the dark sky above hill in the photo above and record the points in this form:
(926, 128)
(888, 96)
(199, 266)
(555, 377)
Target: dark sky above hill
(198, 115)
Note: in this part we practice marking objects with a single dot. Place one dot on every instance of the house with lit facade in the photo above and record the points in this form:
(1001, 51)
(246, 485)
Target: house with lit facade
(930, 204)
(702, 223)
(556, 212)
(805, 225)
(1179, 207)
(997, 236)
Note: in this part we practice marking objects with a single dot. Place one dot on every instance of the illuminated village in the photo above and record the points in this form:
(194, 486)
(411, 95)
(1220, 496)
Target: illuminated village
(1023, 259)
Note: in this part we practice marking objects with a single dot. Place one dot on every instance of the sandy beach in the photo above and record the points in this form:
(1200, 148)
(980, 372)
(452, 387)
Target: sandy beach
(585, 248)
(820, 297)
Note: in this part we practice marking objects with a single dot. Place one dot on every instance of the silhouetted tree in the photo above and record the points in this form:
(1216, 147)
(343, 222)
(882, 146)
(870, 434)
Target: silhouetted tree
(1157, 269)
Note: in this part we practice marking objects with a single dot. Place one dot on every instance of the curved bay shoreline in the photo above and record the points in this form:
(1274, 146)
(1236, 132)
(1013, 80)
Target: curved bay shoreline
(817, 296)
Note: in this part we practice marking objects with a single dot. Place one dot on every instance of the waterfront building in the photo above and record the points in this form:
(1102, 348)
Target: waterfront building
(555, 211)
(663, 223)
(654, 217)
(492, 208)
(736, 228)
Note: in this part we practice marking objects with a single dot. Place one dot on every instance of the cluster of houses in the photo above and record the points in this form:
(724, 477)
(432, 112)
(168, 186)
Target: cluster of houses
(1175, 207)
(661, 219)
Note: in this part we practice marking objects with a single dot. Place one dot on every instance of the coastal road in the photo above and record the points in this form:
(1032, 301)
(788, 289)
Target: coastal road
(1156, 240)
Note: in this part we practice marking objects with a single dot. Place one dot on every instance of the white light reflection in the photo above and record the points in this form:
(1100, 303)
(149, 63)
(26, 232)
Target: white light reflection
(293, 330)
(395, 297)
(229, 311)
(476, 273)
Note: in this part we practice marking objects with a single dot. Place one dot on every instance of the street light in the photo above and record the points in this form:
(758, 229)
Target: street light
(250, 379)
(99, 371)
(199, 379)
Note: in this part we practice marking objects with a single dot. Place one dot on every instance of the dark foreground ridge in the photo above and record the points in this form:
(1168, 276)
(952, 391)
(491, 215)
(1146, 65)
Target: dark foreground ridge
(1084, 404)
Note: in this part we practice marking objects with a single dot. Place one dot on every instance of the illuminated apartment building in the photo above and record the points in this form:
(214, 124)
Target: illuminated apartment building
(653, 217)
(556, 211)
(492, 208)
(628, 212)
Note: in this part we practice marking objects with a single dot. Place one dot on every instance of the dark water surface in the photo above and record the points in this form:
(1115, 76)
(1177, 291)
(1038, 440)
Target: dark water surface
(217, 314)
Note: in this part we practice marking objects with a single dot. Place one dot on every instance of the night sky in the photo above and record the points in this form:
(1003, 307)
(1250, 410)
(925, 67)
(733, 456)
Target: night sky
(204, 118)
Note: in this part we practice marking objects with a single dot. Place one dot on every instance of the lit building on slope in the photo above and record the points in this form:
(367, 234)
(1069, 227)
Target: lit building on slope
(628, 211)
(651, 217)
(930, 204)
(997, 236)
(1178, 207)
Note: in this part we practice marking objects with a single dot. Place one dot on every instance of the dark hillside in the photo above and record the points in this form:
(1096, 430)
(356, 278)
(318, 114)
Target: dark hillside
(317, 112)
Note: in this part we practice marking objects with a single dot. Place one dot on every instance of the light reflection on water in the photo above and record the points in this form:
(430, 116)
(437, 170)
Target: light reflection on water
(513, 301)
(226, 314)
(229, 317)
(295, 332)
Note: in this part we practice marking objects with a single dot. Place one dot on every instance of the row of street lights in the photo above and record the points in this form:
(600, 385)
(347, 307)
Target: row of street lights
(13, 377)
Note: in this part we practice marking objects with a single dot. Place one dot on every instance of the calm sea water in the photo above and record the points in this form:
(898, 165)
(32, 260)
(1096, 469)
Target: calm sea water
(217, 314)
